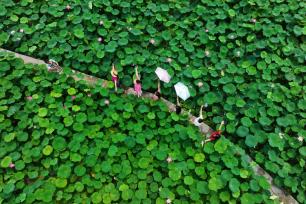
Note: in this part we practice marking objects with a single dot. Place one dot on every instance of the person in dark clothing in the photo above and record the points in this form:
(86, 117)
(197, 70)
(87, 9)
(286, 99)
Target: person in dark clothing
(178, 108)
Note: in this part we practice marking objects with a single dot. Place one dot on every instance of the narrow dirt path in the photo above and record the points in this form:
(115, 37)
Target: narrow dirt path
(284, 197)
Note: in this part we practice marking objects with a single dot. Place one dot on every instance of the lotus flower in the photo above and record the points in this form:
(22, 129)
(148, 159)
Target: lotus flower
(152, 41)
(89, 95)
(300, 138)
(253, 20)
(68, 7)
(169, 159)
(106, 102)
(168, 201)
(207, 52)
(169, 60)
(206, 30)
(100, 39)
(21, 30)
(200, 84)
(281, 135)
(29, 98)
(238, 53)
(12, 165)
(101, 22)
(73, 97)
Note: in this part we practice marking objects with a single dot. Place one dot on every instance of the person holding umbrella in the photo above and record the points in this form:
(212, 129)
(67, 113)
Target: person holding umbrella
(182, 92)
(164, 76)
(137, 82)
(115, 77)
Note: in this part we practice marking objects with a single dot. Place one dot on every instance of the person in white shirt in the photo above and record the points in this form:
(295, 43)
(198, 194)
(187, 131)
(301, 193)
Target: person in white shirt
(199, 120)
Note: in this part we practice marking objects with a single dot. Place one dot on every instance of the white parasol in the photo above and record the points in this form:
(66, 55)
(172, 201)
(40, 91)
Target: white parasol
(182, 91)
(162, 74)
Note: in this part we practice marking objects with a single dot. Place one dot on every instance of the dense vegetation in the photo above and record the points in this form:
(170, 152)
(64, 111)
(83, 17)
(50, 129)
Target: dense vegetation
(64, 142)
(245, 59)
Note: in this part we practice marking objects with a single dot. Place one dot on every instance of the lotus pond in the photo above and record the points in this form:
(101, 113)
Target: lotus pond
(245, 59)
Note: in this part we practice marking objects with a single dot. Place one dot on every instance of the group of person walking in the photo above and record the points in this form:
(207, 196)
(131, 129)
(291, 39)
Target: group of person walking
(162, 74)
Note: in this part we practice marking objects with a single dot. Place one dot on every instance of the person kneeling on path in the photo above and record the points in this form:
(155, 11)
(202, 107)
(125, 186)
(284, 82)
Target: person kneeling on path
(216, 134)
(53, 66)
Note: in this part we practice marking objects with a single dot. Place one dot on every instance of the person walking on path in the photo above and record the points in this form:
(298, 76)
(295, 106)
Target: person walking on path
(115, 77)
(137, 82)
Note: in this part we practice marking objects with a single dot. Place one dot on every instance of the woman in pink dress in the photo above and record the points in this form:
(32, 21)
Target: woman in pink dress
(115, 77)
(137, 83)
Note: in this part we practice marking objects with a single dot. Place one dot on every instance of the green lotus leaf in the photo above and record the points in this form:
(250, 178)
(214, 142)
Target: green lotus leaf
(9, 137)
(175, 175)
(234, 185)
(111, 46)
(276, 141)
(244, 173)
(302, 151)
(72, 91)
(188, 180)
(199, 157)
(42, 112)
(6, 161)
(47, 150)
(215, 184)
(78, 31)
(112, 151)
(64, 171)
(144, 162)
(221, 146)
(61, 182)
(59, 144)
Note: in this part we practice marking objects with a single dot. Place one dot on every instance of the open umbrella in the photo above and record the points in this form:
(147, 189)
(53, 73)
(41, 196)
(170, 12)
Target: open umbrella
(162, 74)
(182, 91)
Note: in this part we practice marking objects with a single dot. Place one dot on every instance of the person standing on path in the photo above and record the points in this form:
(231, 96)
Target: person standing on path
(178, 108)
(157, 93)
(115, 77)
(137, 82)
(199, 120)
